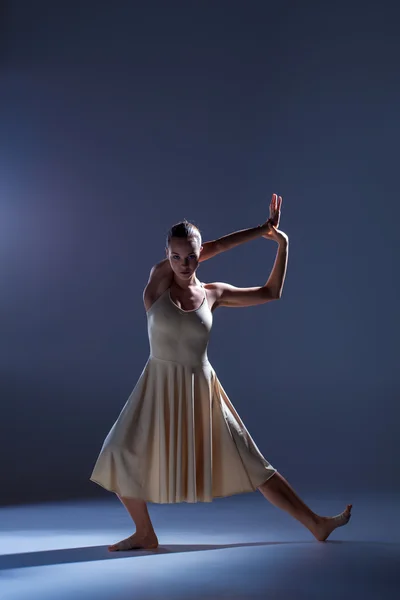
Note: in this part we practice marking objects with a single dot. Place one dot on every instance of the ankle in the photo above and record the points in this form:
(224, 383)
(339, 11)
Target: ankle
(145, 531)
(316, 519)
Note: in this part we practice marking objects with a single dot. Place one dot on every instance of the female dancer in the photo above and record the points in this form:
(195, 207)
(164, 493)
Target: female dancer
(179, 438)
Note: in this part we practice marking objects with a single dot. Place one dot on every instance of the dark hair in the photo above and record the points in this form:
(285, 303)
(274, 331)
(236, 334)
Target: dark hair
(183, 229)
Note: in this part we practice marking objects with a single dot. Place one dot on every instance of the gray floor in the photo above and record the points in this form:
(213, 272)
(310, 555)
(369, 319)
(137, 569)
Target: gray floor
(238, 548)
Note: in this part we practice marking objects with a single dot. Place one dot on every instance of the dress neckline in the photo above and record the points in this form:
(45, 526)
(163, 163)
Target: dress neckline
(193, 309)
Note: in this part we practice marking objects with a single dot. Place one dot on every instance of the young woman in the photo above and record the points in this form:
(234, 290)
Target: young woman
(179, 438)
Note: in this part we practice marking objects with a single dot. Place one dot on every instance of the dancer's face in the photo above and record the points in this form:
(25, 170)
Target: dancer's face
(183, 255)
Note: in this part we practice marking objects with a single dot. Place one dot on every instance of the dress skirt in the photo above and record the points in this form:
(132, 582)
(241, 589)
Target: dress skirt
(179, 438)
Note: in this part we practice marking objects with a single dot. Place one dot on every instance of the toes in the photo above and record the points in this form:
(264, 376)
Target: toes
(116, 547)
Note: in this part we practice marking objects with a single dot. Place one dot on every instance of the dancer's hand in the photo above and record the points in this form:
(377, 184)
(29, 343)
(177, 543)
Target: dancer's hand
(274, 214)
(275, 210)
(273, 233)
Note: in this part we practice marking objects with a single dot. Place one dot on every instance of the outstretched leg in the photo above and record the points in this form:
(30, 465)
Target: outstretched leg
(144, 536)
(278, 491)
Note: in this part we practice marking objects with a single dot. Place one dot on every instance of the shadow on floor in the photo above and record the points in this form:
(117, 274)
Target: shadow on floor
(93, 553)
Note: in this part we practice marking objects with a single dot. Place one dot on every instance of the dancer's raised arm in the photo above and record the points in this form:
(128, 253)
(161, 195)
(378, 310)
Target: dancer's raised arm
(226, 294)
(236, 238)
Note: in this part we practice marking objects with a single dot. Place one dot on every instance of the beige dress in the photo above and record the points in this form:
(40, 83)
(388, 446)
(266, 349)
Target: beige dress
(179, 438)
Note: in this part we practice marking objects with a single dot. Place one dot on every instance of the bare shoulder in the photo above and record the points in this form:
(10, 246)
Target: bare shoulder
(221, 293)
(160, 279)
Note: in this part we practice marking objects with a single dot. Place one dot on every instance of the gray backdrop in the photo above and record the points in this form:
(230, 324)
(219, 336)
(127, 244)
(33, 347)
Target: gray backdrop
(118, 120)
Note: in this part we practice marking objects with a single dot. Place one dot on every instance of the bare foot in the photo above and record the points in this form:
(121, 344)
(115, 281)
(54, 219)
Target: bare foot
(147, 541)
(328, 524)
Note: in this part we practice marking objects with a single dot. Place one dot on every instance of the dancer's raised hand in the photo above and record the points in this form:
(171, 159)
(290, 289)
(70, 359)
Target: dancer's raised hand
(274, 217)
(275, 210)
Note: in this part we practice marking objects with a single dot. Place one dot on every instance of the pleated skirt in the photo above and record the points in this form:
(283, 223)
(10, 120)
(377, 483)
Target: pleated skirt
(178, 438)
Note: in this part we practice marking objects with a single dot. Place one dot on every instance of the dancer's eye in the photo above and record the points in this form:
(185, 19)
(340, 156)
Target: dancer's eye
(176, 256)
